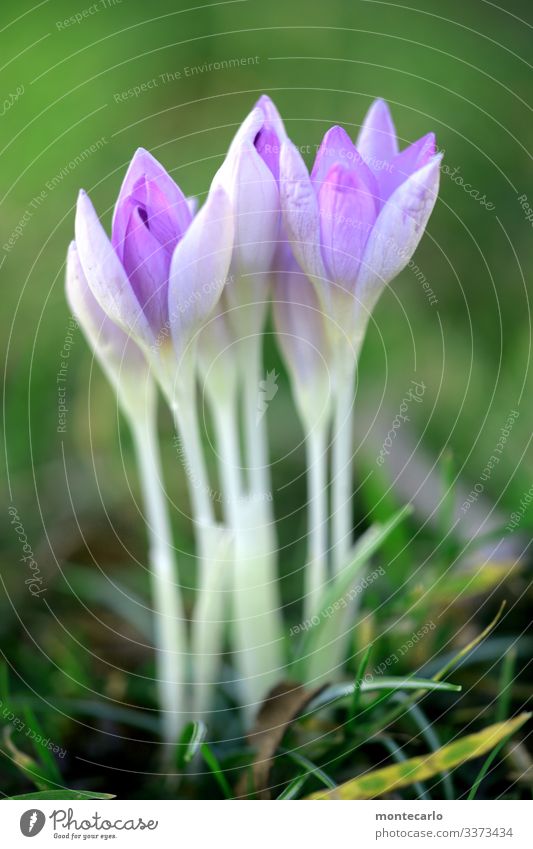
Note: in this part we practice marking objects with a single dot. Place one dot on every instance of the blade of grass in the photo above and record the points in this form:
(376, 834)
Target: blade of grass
(323, 635)
(391, 778)
(213, 763)
(486, 766)
(292, 789)
(356, 698)
(400, 758)
(192, 737)
(63, 795)
(44, 754)
(471, 645)
(451, 664)
(29, 767)
(337, 692)
(506, 685)
(430, 736)
(310, 767)
(446, 512)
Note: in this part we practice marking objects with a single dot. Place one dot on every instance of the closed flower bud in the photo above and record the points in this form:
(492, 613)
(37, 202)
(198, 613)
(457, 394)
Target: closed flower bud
(163, 270)
(355, 222)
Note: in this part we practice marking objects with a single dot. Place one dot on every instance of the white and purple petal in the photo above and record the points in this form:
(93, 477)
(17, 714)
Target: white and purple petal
(105, 274)
(398, 229)
(347, 215)
(300, 210)
(199, 268)
(377, 142)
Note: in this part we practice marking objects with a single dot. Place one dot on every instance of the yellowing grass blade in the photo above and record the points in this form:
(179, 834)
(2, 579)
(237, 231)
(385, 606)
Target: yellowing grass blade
(390, 778)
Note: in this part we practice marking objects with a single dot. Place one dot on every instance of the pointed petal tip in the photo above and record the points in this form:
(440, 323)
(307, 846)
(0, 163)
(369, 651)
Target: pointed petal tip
(84, 205)
(428, 144)
(377, 138)
(433, 162)
(379, 115)
(336, 129)
(142, 153)
(380, 104)
(142, 163)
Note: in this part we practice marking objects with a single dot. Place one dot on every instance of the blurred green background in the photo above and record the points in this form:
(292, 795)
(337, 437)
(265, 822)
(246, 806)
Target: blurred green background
(459, 69)
(456, 68)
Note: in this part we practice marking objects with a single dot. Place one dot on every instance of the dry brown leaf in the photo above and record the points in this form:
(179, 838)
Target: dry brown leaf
(279, 710)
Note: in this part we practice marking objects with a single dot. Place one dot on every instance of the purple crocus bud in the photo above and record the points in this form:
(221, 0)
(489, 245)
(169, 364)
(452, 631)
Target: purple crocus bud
(355, 222)
(163, 270)
(120, 357)
(151, 216)
(250, 176)
(302, 336)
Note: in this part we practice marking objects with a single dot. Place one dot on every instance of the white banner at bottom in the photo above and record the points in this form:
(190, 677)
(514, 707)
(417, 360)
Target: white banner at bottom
(219, 824)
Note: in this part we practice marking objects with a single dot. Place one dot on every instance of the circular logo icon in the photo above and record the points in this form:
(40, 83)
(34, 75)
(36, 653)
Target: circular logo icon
(32, 822)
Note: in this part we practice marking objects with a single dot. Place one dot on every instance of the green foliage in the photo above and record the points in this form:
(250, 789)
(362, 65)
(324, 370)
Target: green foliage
(192, 738)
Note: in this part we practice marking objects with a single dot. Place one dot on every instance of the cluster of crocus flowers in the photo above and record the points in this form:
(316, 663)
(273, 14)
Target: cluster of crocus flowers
(177, 294)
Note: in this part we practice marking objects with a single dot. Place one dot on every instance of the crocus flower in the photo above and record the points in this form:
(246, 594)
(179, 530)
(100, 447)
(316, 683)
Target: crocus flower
(355, 222)
(129, 372)
(163, 270)
(250, 176)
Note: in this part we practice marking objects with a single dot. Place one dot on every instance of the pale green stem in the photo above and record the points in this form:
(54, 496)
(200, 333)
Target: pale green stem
(256, 626)
(229, 461)
(208, 624)
(214, 585)
(317, 499)
(186, 417)
(342, 471)
(170, 633)
(207, 619)
(255, 430)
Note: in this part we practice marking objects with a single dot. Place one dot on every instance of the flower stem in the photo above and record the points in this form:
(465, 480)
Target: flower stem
(170, 634)
(342, 472)
(255, 430)
(229, 462)
(186, 418)
(256, 626)
(316, 570)
(216, 561)
(208, 623)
